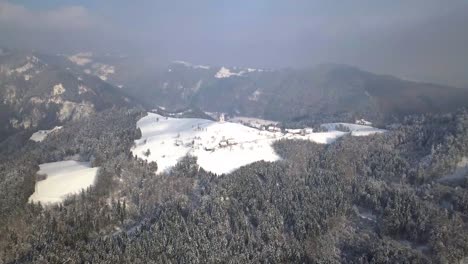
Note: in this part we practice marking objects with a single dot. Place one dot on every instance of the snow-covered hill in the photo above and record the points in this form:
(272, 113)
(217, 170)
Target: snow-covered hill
(42, 91)
(220, 147)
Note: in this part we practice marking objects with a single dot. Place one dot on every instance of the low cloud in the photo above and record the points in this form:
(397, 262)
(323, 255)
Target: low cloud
(419, 39)
(60, 19)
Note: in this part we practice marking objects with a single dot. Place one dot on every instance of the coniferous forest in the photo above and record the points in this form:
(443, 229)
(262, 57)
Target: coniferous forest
(396, 197)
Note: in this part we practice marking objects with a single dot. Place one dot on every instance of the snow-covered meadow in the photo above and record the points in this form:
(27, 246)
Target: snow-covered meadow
(220, 147)
(63, 178)
(355, 129)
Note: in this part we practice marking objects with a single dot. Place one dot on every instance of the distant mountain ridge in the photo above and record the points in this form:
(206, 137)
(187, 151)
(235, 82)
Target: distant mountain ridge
(37, 91)
(323, 92)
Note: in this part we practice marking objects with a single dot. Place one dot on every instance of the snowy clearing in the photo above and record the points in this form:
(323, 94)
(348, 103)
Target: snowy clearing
(356, 130)
(226, 73)
(64, 178)
(42, 134)
(220, 147)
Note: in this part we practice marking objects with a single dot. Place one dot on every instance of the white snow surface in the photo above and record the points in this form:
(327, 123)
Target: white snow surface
(81, 58)
(103, 71)
(64, 178)
(42, 134)
(356, 130)
(220, 147)
(24, 68)
(169, 139)
(363, 122)
(188, 64)
(226, 73)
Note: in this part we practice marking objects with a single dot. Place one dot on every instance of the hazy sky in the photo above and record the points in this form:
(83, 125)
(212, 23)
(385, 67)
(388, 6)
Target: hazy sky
(415, 39)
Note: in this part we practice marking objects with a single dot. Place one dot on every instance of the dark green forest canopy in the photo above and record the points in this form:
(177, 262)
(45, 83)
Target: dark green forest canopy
(375, 199)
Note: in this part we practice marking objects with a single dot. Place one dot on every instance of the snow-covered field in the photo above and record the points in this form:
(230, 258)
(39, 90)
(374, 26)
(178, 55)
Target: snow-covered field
(220, 147)
(356, 130)
(64, 178)
(42, 134)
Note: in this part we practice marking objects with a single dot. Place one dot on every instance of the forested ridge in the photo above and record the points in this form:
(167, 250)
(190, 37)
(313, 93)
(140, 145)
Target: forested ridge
(374, 199)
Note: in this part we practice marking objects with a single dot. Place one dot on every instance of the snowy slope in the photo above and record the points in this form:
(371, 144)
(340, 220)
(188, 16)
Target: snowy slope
(190, 65)
(221, 147)
(63, 178)
(226, 73)
(356, 130)
(42, 134)
(170, 139)
(81, 58)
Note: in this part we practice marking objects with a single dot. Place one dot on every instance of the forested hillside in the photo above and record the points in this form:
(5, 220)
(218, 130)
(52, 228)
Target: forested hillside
(39, 92)
(376, 199)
